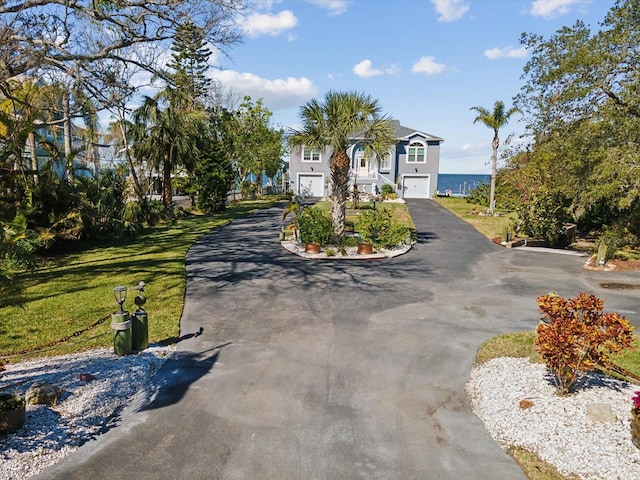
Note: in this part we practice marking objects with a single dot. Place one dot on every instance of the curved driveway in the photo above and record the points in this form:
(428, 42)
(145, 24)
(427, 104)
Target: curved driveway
(335, 369)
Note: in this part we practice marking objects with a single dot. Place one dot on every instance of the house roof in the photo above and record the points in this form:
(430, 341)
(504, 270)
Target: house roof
(404, 133)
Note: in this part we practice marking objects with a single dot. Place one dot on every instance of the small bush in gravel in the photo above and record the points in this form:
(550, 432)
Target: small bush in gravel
(575, 336)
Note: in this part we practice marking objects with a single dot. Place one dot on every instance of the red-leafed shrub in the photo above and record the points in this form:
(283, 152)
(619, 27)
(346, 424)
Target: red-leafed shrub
(575, 336)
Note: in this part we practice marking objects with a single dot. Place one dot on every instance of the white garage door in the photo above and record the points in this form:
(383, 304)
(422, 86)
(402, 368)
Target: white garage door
(415, 187)
(311, 185)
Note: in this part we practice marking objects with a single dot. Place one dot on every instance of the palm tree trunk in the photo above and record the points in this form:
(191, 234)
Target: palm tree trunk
(494, 174)
(339, 184)
(167, 196)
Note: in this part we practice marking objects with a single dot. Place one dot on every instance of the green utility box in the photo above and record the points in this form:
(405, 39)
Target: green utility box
(140, 330)
(122, 338)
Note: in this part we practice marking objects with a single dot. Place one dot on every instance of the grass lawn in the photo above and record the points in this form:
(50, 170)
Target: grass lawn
(76, 290)
(490, 226)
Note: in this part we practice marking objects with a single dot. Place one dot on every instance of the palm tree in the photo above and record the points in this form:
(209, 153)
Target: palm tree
(165, 137)
(334, 123)
(495, 120)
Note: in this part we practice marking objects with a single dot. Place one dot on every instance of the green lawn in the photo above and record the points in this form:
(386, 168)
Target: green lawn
(76, 290)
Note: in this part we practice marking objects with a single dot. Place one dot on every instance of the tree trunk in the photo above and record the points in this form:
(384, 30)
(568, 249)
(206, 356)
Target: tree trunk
(137, 187)
(167, 196)
(34, 158)
(339, 185)
(494, 174)
(66, 128)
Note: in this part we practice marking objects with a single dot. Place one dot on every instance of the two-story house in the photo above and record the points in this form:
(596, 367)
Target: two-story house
(411, 166)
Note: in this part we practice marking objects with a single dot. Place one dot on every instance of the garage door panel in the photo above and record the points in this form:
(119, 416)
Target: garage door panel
(310, 185)
(416, 187)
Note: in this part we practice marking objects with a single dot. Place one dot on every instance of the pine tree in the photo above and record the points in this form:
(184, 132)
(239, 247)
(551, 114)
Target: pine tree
(189, 62)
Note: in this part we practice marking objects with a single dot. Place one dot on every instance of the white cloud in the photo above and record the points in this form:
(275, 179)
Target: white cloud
(428, 66)
(269, 24)
(450, 10)
(364, 70)
(552, 8)
(509, 52)
(277, 94)
(335, 7)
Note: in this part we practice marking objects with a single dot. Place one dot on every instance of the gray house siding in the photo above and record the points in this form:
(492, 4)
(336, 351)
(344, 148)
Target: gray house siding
(412, 170)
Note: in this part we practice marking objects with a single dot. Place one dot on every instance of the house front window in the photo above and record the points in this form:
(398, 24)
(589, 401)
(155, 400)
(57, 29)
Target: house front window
(416, 153)
(311, 155)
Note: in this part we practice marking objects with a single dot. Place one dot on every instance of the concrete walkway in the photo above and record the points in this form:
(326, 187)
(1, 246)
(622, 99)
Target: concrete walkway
(334, 370)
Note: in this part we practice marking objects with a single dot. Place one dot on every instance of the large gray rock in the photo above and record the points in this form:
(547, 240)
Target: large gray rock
(42, 393)
(600, 412)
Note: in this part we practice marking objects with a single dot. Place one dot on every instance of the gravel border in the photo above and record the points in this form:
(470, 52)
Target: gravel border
(85, 409)
(557, 428)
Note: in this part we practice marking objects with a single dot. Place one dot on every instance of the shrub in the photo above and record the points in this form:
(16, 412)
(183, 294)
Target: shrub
(378, 228)
(575, 336)
(387, 191)
(543, 215)
(479, 195)
(315, 226)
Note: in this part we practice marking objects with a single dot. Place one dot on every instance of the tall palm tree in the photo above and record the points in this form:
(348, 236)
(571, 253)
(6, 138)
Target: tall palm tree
(333, 123)
(494, 120)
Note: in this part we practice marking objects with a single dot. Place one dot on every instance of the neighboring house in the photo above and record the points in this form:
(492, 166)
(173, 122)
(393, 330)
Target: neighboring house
(87, 155)
(411, 166)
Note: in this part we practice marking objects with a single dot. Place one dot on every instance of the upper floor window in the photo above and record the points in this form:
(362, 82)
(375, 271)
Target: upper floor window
(385, 162)
(416, 153)
(311, 155)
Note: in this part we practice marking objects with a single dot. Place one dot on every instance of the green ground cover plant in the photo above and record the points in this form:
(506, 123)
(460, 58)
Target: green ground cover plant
(75, 290)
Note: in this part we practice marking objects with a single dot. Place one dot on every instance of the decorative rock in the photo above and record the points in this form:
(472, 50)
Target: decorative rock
(600, 412)
(86, 377)
(526, 403)
(42, 393)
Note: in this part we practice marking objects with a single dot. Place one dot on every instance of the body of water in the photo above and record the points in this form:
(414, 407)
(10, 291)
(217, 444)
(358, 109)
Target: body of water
(460, 183)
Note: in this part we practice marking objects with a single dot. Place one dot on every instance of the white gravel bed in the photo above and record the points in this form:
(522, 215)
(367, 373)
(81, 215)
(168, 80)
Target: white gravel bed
(557, 428)
(83, 411)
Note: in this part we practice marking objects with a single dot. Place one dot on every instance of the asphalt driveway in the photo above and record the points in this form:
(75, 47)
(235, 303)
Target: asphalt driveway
(297, 369)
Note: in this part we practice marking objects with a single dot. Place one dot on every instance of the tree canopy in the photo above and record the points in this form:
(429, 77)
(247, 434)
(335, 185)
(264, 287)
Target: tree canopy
(581, 100)
(87, 41)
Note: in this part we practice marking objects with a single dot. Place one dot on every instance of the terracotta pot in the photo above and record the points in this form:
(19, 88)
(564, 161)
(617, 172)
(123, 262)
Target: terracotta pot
(312, 247)
(11, 419)
(635, 429)
(365, 248)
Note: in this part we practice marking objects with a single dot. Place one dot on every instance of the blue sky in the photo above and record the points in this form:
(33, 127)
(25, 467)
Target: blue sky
(426, 61)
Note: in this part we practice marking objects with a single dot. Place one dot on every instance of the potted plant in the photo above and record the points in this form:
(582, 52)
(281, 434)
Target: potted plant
(316, 229)
(370, 225)
(378, 229)
(12, 411)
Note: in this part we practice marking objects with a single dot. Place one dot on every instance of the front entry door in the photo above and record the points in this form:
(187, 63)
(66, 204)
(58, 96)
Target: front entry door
(363, 165)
